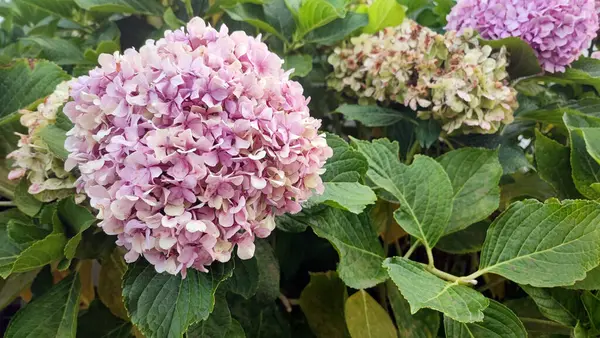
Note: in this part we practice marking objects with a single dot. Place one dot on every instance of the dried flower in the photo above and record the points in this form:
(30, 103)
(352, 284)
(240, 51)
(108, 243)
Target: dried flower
(33, 159)
(193, 145)
(558, 30)
(455, 80)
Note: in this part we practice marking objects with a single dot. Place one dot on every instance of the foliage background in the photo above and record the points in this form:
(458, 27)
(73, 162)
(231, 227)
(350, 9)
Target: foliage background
(320, 273)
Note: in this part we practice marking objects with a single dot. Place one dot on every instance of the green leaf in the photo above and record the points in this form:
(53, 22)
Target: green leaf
(98, 322)
(590, 282)
(268, 272)
(350, 196)
(550, 244)
(24, 201)
(585, 169)
(535, 323)
(280, 17)
(553, 114)
(522, 61)
(560, 305)
(384, 13)
(301, 63)
(162, 305)
(322, 302)
(77, 219)
(110, 280)
(254, 15)
(149, 7)
(337, 30)
(499, 321)
(423, 189)
(54, 314)
(54, 137)
(357, 245)
(216, 325)
(11, 287)
(464, 241)
(61, 8)
(584, 71)
(524, 186)
(313, 14)
(346, 164)
(60, 51)
(475, 174)
(553, 165)
(172, 20)
(427, 132)
(591, 304)
(366, 318)
(372, 116)
(235, 330)
(423, 324)
(244, 281)
(424, 290)
(24, 82)
(258, 320)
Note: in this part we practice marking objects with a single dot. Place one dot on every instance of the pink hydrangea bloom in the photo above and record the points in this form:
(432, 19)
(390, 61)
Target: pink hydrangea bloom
(192, 145)
(558, 30)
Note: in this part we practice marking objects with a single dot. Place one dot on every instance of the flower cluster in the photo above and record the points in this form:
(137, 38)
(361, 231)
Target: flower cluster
(447, 77)
(33, 160)
(558, 30)
(191, 146)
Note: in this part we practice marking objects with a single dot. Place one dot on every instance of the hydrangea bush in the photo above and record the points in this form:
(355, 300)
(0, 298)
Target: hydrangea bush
(314, 168)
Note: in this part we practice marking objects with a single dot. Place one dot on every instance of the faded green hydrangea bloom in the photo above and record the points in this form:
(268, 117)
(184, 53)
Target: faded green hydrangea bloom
(33, 160)
(447, 77)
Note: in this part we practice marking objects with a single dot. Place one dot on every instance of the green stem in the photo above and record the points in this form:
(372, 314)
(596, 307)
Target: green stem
(7, 204)
(411, 153)
(412, 249)
(450, 277)
(447, 142)
(429, 256)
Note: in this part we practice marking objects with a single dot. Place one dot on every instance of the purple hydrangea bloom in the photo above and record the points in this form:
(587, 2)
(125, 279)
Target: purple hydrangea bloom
(192, 145)
(558, 30)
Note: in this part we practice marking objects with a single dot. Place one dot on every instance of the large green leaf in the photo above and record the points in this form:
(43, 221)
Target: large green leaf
(499, 321)
(475, 174)
(280, 17)
(423, 189)
(590, 282)
(553, 114)
(591, 304)
(61, 8)
(384, 13)
(24, 201)
(322, 302)
(254, 15)
(522, 59)
(54, 314)
(373, 116)
(301, 63)
(216, 325)
(424, 290)
(343, 171)
(268, 273)
(543, 244)
(367, 319)
(54, 137)
(57, 50)
(110, 280)
(23, 82)
(585, 169)
(11, 287)
(313, 14)
(257, 319)
(357, 245)
(560, 305)
(244, 280)
(164, 305)
(99, 322)
(553, 165)
(465, 241)
(423, 324)
(338, 29)
(150, 7)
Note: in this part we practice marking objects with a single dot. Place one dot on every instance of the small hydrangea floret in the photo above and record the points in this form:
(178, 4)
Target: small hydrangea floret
(558, 30)
(449, 78)
(192, 145)
(33, 160)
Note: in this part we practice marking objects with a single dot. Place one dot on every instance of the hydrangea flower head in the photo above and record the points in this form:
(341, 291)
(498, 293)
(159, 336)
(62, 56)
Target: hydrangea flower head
(447, 77)
(558, 30)
(192, 145)
(33, 160)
